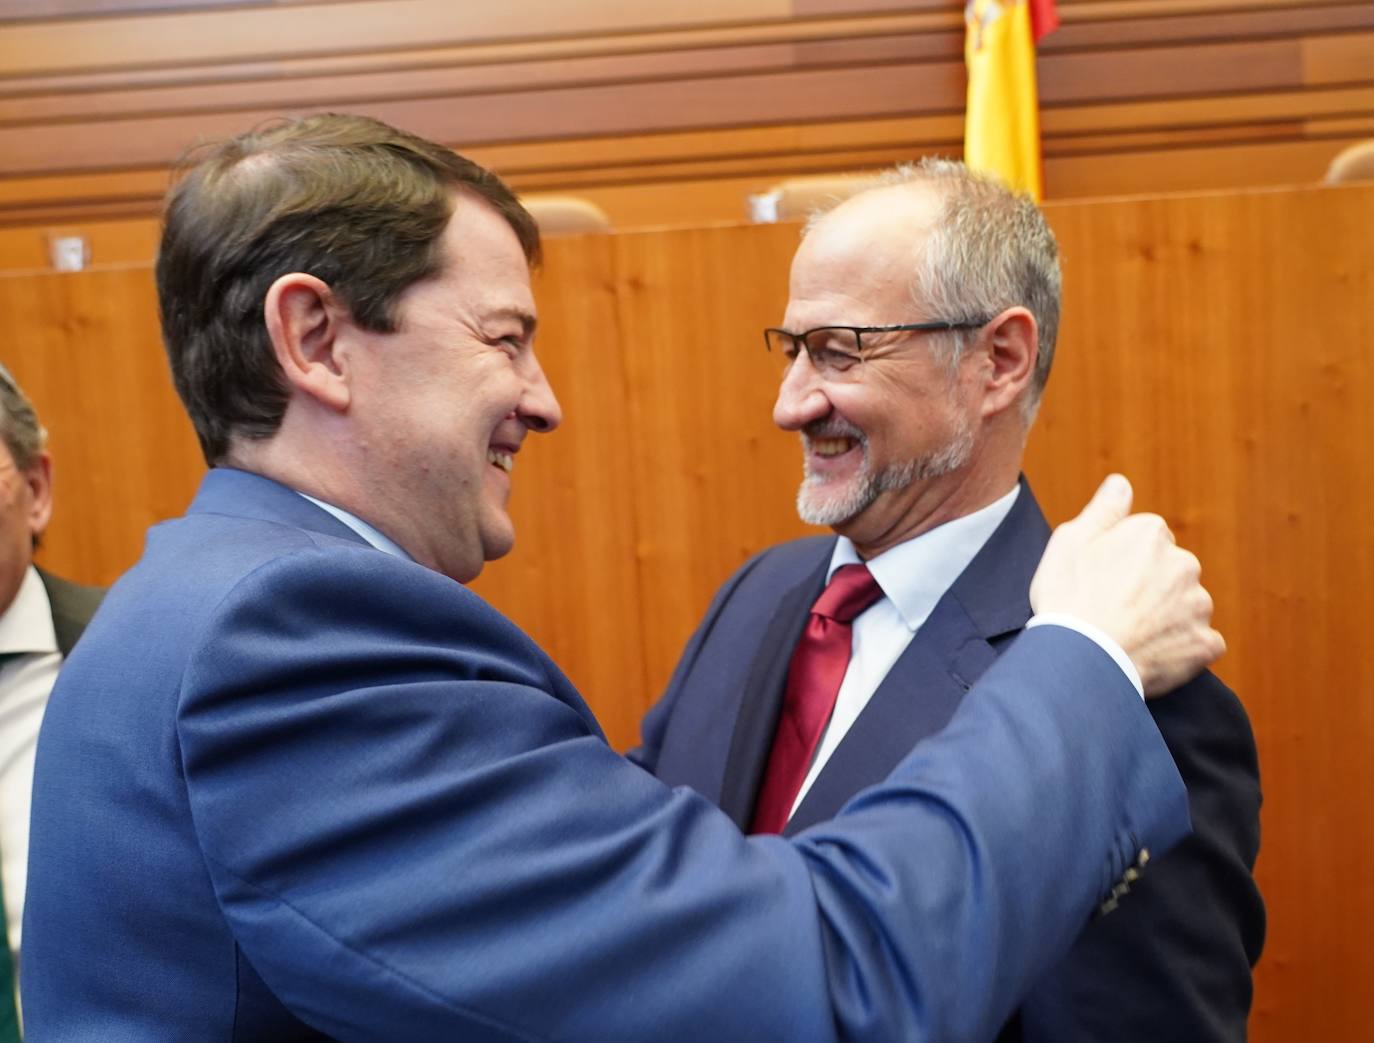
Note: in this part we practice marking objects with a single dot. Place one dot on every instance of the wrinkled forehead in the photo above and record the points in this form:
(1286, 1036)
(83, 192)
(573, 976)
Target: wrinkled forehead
(856, 264)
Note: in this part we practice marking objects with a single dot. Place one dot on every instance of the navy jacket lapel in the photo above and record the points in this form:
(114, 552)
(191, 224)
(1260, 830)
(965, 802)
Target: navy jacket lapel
(995, 588)
(761, 701)
(72, 606)
(987, 605)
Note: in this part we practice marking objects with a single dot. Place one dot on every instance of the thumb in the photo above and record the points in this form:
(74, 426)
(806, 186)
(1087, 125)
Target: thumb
(1109, 505)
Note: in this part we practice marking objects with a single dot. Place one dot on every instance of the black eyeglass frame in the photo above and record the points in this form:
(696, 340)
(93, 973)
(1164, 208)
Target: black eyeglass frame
(800, 340)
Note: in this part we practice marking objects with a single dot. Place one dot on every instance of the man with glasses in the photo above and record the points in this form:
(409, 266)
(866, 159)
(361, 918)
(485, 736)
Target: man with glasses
(916, 342)
(41, 617)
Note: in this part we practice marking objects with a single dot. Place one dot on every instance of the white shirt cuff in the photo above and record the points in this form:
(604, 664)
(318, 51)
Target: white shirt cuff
(1097, 636)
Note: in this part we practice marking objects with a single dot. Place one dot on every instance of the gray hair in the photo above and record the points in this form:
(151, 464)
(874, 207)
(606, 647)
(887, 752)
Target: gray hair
(990, 250)
(19, 427)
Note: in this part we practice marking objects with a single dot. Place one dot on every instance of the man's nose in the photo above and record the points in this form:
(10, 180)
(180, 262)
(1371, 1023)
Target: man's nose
(801, 395)
(538, 409)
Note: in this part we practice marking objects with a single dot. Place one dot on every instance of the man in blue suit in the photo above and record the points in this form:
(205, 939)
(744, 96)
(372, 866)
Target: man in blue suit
(913, 441)
(299, 783)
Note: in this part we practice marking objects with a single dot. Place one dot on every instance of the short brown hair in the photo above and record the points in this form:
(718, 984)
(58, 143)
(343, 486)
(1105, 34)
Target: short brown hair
(350, 200)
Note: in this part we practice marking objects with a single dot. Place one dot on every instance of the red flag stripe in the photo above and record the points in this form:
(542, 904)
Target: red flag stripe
(1044, 18)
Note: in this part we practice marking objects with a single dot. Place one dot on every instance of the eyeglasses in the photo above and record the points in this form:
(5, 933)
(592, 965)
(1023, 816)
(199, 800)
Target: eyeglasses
(838, 349)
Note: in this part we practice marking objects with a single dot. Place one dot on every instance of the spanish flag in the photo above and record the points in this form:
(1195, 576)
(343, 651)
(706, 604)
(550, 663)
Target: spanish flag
(1002, 122)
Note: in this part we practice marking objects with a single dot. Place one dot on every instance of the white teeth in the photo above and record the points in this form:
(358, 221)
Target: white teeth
(505, 461)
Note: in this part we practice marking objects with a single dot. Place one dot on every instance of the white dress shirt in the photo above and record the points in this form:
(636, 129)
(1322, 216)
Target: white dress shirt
(366, 531)
(25, 683)
(914, 577)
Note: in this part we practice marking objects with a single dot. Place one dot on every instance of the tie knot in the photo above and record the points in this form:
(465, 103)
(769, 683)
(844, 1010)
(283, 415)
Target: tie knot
(851, 590)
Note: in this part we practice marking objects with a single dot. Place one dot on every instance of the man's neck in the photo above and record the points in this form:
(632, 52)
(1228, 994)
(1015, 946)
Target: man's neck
(939, 503)
(322, 478)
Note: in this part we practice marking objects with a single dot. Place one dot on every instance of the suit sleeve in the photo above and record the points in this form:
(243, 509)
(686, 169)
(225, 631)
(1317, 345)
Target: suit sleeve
(416, 833)
(1173, 961)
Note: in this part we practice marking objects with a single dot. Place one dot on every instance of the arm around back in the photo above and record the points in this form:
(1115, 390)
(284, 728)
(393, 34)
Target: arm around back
(453, 846)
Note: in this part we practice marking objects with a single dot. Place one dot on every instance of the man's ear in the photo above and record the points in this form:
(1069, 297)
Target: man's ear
(1012, 344)
(304, 320)
(38, 477)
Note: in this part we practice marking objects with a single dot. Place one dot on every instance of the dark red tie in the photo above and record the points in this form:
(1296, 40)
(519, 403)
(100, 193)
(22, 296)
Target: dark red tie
(813, 681)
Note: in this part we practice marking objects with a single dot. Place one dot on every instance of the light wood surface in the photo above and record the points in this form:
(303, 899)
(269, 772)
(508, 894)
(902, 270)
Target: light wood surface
(1216, 347)
(86, 349)
(1218, 350)
(713, 480)
(573, 552)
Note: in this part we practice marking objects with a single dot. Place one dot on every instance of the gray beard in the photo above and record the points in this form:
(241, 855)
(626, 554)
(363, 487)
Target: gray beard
(816, 507)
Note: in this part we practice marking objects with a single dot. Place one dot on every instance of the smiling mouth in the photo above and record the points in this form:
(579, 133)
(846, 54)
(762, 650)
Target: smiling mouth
(827, 447)
(502, 459)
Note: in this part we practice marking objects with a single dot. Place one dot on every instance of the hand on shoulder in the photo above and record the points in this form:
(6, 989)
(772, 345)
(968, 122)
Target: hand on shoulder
(1124, 574)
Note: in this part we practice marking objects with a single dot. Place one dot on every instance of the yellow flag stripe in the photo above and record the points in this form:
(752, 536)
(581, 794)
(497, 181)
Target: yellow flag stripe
(1002, 123)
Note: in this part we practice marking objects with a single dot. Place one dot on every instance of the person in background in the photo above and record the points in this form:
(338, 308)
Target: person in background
(299, 782)
(41, 617)
(918, 339)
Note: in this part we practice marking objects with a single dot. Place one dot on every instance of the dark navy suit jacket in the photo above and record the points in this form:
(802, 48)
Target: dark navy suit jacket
(1172, 962)
(291, 787)
(72, 606)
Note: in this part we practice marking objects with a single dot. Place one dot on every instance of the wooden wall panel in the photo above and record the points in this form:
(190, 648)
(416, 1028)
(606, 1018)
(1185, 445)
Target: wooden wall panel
(1338, 59)
(1218, 350)
(86, 348)
(711, 486)
(1279, 20)
(19, 10)
(1216, 347)
(124, 71)
(109, 242)
(1183, 169)
(843, 7)
(190, 37)
(678, 108)
(1169, 71)
(516, 115)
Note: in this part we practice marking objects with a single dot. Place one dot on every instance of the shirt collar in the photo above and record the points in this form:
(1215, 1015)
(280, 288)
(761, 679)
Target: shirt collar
(366, 531)
(26, 626)
(915, 574)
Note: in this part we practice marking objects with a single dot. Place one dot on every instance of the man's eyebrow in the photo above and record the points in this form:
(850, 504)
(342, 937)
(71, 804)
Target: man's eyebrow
(528, 321)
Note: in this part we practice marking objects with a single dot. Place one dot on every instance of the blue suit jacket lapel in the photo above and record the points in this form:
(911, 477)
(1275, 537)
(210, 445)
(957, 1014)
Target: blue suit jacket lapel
(987, 605)
(761, 699)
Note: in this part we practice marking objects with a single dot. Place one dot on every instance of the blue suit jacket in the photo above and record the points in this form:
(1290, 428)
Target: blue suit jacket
(1172, 962)
(290, 787)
